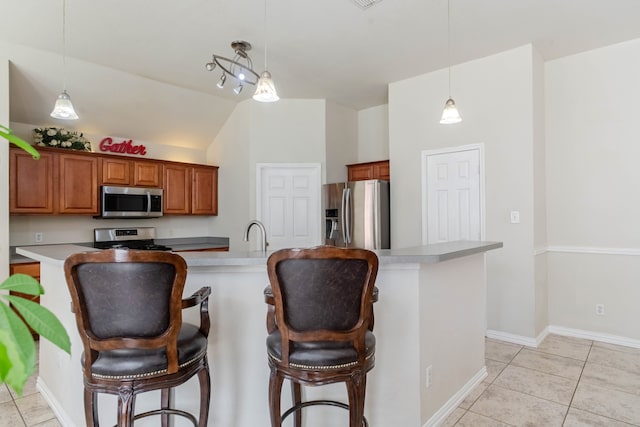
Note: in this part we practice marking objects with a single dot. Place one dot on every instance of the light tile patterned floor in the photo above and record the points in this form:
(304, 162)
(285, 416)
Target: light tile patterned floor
(565, 382)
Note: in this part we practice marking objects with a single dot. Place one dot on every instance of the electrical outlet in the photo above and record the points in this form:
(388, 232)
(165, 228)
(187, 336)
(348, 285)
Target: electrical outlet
(38, 237)
(600, 309)
(427, 376)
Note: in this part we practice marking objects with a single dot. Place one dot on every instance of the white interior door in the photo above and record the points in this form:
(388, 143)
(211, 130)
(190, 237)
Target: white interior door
(289, 204)
(452, 194)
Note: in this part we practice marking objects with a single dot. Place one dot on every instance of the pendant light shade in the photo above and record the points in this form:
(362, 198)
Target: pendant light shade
(450, 113)
(265, 89)
(64, 108)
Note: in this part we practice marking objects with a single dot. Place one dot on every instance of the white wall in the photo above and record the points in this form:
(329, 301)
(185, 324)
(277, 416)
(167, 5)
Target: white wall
(342, 132)
(373, 134)
(495, 97)
(289, 131)
(4, 170)
(592, 189)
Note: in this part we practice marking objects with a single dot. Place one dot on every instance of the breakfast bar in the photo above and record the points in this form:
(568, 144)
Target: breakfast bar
(430, 324)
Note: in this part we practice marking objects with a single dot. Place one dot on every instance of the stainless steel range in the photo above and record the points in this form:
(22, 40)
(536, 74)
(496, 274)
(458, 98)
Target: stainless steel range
(141, 238)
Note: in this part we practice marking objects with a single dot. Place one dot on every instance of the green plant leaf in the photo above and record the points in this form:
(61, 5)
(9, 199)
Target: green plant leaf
(9, 136)
(42, 321)
(22, 283)
(18, 349)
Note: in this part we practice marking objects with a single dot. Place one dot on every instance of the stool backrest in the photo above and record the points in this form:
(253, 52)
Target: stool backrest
(127, 299)
(322, 293)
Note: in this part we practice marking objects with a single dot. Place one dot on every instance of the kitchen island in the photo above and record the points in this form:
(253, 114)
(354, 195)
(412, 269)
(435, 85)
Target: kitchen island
(430, 316)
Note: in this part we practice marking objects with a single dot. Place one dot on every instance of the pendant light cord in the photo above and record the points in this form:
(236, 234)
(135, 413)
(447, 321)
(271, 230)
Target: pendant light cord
(64, 45)
(449, 42)
(265, 34)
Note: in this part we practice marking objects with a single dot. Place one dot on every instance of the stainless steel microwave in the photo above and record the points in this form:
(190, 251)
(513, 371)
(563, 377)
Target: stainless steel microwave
(130, 202)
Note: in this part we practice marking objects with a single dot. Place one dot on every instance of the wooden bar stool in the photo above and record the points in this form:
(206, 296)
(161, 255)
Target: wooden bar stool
(320, 326)
(128, 307)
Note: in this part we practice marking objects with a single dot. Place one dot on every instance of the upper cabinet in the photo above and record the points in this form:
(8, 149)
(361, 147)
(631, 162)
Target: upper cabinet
(68, 182)
(370, 170)
(190, 189)
(131, 172)
(57, 183)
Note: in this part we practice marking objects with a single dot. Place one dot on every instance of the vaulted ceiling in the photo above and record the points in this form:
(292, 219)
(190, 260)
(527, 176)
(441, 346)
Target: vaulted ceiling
(136, 68)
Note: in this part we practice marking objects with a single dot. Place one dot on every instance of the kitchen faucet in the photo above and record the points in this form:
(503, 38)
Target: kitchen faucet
(263, 233)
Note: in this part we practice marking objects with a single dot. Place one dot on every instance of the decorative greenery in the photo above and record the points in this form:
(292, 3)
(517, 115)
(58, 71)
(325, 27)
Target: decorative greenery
(60, 138)
(17, 348)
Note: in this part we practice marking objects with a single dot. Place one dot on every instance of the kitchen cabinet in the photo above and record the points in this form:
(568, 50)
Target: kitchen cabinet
(370, 170)
(130, 172)
(30, 269)
(78, 184)
(57, 183)
(31, 183)
(190, 190)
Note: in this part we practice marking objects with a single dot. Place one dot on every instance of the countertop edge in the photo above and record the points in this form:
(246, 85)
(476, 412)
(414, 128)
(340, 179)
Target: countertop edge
(428, 254)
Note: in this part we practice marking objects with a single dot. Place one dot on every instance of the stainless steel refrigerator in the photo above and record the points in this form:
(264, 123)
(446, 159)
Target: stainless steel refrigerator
(356, 214)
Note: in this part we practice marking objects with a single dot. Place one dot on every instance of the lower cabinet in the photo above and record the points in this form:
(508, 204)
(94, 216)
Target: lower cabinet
(30, 269)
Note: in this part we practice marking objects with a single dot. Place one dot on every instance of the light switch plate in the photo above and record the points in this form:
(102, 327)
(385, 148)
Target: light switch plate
(515, 217)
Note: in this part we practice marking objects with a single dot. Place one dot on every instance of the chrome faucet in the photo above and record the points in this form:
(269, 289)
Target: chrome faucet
(263, 233)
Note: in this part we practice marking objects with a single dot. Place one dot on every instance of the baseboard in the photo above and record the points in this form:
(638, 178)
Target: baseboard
(595, 336)
(55, 406)
(455, 400)
(517, 339)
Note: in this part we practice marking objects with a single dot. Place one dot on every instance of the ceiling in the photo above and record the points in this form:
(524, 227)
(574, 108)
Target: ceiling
(136, 68)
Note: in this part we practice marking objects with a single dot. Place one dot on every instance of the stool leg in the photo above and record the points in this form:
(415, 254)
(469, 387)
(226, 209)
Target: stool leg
(205, 394)
(356, 386)
(91, 408)
(166, 402)
(126, 402)
(296, 396)
(275, 391)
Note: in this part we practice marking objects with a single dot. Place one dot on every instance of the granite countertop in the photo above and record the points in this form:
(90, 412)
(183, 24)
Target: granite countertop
(428, 254)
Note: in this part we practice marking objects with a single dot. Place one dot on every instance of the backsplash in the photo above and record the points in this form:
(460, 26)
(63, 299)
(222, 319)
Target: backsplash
(78, 229)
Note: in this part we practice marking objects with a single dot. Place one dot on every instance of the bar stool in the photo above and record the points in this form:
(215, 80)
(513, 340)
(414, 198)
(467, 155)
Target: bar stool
(128, 308)
(320, 326)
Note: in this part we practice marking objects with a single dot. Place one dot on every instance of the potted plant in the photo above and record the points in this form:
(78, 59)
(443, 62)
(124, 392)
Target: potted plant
(17, 347)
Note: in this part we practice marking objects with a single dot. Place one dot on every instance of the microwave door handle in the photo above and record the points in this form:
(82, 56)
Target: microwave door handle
(148, 203)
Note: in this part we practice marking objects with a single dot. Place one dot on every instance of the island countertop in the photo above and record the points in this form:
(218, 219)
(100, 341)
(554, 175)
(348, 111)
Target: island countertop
(427, 254)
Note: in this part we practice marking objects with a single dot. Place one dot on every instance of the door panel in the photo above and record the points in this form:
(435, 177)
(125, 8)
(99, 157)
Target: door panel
(453, 204)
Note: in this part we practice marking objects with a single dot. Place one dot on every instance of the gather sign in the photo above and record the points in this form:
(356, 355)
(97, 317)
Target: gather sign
(124, 147)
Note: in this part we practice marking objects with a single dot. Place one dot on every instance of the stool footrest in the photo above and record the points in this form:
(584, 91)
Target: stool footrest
(168, 411)
(301, 405)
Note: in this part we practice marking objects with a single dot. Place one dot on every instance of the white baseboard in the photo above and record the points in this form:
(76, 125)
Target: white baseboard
(455, 400)
(560, 330)
(595, 336)
(55, 406)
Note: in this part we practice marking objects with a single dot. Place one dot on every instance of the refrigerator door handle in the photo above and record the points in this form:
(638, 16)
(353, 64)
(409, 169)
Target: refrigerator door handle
(376, 217)
(346, 210)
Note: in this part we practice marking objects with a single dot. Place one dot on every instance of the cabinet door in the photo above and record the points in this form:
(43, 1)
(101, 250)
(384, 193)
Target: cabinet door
(78, 184)
(204, 191)
(116, 171)
(31, 183)
(177, 189)
(381, 170)
(147, 174)
(360, 172)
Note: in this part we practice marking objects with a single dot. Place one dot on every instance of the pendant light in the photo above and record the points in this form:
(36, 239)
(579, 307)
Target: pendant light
(64, 108)
(450, 114)
(265, 89)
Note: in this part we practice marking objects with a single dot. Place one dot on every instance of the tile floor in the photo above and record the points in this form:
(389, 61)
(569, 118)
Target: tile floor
(566, 382)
